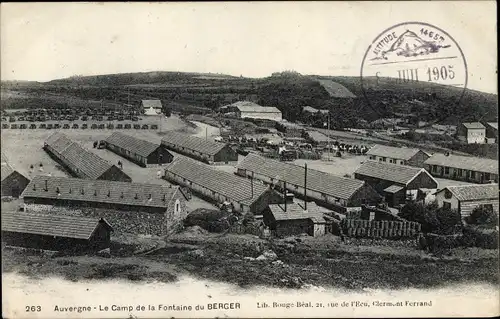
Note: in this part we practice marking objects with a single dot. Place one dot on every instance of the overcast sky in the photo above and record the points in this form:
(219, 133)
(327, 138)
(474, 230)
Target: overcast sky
(55, 40)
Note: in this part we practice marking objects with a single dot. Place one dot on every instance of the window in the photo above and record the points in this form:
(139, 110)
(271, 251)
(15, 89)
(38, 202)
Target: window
(487, 176)
(177, 207)
(391, 161)
(472, 174)
(459, 172)
(372, 157)
(446, 205)
(384, 159)
(446, 170)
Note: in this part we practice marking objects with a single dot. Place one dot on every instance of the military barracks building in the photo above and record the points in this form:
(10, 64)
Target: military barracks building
(325, 189)
(199, 148)
(141, 152)
(80, 162)
(463, 168)
(398, 155)
(219, 186)
(55, 233)
(133, 207)
(395, 182)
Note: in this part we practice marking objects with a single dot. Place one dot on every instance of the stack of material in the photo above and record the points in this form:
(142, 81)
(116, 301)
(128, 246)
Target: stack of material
(380, 228)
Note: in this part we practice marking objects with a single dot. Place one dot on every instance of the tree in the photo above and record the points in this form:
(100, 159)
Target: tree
(433, 219)
(483, 215)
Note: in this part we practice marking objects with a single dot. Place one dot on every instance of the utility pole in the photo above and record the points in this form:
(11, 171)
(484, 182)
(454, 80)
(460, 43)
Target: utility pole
(328, 136)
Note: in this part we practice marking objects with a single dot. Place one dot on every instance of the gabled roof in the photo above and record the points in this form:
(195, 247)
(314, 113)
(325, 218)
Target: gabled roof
(477, 164)
(296, 211)
(100, 191)
(87, 162)
(6, 168)
(247, 106)
(393, 189)
(400, 174)
(192, 142)
(236, 188)
(336, 186)
(473, 125)
(156, 104)
(51, 225)
(493, 125)
(403, 153)
(473, 192)
(309, 109)
(132, 144)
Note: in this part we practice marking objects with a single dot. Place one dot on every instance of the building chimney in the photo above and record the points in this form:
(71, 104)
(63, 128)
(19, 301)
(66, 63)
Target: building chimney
(305, 186)
(46, 186)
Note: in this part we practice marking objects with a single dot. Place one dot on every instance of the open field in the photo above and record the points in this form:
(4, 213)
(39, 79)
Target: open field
(302, 261)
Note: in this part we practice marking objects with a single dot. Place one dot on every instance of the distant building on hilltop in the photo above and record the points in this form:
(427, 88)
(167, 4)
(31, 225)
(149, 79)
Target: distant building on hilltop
(398, 155)
(151, 107)
(247, 109)
(472, 133)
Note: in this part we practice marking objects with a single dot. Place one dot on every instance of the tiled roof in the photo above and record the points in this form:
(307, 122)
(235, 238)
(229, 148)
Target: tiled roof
(477, 164)
(336, 89)
(473, 125)
(100, 191)
(90, 165)
(224, 183)
(50, 225)
(336, 186)
(400, 174)
(393, 189)
(473, 192)
(247, 106)
(132, 144)
(192, 142)
(403, 153)
(296, 211)
(156, 104)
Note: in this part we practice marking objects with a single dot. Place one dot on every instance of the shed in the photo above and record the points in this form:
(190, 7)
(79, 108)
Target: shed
(141, 152)
(81, 162)
(325, 189)
(56, 233)
(395, 182)
(472, 132)
(465, 198)
(295, 218)
(13, 182)
(218, 186)
(247, 109)
(198, 148)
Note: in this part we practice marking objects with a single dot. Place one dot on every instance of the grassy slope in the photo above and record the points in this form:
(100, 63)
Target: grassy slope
(289, 93)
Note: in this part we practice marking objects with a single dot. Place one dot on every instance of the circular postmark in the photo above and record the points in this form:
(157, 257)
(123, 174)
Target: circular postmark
(414, 70)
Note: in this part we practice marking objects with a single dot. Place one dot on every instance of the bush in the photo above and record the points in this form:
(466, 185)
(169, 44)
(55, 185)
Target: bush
(483, 215)
(210, 220)
(474, 236)
(433, 219)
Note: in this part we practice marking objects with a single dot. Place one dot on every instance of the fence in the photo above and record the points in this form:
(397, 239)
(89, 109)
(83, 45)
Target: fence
(380, 228)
